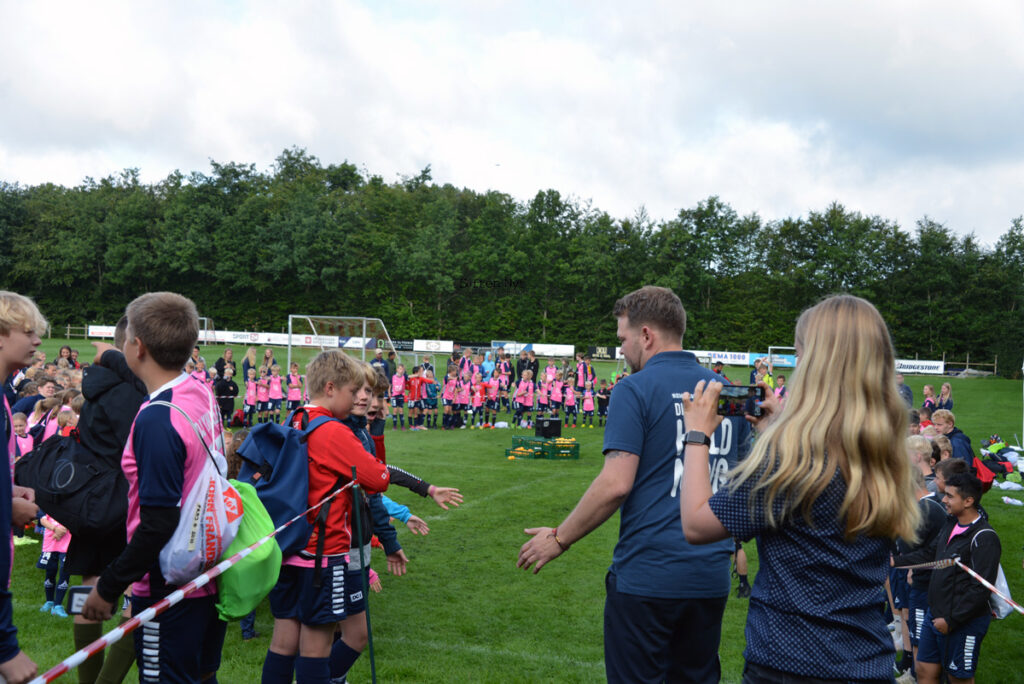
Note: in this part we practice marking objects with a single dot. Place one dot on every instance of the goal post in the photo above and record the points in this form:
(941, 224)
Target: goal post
(207, 331)
(360, 336)
(782, 357)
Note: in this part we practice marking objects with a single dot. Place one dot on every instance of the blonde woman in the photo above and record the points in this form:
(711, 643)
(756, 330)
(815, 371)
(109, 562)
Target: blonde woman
(945, 400)
(929, 397)
(249, 361)
(826, 489)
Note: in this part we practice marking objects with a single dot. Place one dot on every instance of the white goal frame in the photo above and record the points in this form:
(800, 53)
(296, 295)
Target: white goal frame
(772, 351)
(361, 322)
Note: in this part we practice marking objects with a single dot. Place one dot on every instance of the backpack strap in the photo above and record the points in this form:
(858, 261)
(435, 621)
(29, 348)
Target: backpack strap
(195, 429)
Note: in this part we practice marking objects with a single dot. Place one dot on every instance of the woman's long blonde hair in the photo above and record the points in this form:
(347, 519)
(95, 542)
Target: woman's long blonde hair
(842, 411)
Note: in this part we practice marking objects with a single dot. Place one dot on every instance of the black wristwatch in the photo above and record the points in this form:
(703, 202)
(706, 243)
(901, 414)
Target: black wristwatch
(696, 437)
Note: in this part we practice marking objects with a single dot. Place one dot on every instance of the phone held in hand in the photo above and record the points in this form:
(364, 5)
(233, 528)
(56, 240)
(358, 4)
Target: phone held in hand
(740, 400)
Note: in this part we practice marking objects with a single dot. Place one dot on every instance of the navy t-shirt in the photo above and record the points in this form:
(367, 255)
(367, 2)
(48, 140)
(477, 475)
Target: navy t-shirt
(652, 557)
(814, 610)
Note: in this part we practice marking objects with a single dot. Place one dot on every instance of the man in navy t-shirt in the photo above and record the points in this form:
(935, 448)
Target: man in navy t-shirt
(665, 598)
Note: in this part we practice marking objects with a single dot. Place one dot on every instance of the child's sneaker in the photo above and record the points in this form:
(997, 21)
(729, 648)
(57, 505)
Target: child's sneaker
(58, 611)
(47, 607)
(591, 427)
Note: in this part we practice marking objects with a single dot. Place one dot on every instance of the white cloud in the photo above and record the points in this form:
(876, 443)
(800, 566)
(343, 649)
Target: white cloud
(900, 110)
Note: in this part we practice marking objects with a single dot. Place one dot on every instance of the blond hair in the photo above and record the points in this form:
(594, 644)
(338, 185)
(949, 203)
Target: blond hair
(19, 312)
(167, 324)
(919, 448)
(369, 374)
(332, 366)
(944, 415)
(842, 342)
(943, 443)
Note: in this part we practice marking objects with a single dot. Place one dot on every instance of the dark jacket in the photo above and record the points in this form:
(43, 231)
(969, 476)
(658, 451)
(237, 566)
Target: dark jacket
(933, 519)
(113, 395)
(961, 446)
(952, 593)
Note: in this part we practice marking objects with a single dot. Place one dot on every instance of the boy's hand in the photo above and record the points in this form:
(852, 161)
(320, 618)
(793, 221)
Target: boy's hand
(397, 562)
(18, 669)
(940, 625)
(23, 512)
(59, 533)
(102, 347)
(96, 608)
(26, 493)
(417, 525)
(446, 495)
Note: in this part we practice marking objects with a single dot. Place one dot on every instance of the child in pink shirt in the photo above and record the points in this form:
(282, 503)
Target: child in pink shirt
(569, 401)
(448, 398)
(249, 403)
(524, 397)
(588, 404)
(294, 382)
(276, 392)
(479, 394)
(263, 395)
(556, 394)
(55, 545)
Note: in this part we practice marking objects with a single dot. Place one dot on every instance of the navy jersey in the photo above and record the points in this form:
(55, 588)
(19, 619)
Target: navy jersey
(652, 557)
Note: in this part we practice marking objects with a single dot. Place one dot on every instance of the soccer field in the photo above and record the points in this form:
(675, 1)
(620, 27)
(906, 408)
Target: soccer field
(465, 613)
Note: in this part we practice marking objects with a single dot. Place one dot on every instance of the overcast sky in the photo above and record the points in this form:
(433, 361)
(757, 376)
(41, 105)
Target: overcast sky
(901, 109)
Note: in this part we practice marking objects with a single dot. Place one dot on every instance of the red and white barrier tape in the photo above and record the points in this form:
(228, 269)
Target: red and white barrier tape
(116, 634)
(949, 562)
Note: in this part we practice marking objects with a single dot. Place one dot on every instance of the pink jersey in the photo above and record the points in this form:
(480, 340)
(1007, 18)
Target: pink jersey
(423, 387)
(479, 392)
(569, 395)
(294, 393)
(542, 393)
(492, 388)
(448, 394)
(250, 393)
(199, 375)
(550, 371)
(171, 454)
(51, 427)
(397, 385)
(276, 387)
(462, 393)
(524, 393)
(263, 389)
(556, 391)
(53, 545)
(24, 444)
(588, 400)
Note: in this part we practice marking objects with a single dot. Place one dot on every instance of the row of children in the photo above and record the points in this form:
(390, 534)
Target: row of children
(470, 400)
(266, 390)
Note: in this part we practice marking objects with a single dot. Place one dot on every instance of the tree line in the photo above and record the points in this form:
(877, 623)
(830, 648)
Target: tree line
(436, 261)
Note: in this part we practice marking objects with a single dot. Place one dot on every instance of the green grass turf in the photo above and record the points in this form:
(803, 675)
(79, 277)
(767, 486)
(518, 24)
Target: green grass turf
(465, 613)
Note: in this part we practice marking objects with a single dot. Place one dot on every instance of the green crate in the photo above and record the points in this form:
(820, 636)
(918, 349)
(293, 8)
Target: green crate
(562, 452)
(528, 441)
(532, 454)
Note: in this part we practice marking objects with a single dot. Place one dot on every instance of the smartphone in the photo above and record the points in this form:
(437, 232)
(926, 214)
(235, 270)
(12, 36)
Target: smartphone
(740, 400)
(76, 598)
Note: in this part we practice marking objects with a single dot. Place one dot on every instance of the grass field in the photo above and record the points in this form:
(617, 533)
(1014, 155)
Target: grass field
(465, 613)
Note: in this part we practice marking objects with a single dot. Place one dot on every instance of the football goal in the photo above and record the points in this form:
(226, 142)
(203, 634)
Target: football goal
(358, 335)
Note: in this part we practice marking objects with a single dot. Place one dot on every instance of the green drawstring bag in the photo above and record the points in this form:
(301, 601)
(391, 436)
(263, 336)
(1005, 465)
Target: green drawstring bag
(245, 584)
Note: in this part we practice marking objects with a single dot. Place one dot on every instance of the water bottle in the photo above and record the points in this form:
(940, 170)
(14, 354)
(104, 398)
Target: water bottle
(1012, 501)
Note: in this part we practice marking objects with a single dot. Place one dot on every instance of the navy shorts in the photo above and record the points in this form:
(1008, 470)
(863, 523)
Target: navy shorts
(262, 406)
(656, 639)
(492, 405)
(275, 404)
(446, 402)
(181, 644)
(958, 652)
(555, 405)
(917, 602)
(249, 409)
(900, 588)
(397, 402)
(602, 410)
(293, 404)
(295, 598)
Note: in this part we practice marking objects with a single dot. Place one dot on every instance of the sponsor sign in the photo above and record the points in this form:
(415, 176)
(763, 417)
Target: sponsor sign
(433, 346)
(918, 366)
(101, 331)
(603, 353)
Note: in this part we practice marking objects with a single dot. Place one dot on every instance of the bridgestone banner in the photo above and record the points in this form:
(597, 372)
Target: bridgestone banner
(922, 367)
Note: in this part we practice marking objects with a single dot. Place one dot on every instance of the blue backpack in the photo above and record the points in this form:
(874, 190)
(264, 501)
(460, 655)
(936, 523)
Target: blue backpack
(275, 461)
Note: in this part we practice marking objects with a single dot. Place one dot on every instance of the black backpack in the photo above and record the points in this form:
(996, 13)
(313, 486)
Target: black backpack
(83, 493)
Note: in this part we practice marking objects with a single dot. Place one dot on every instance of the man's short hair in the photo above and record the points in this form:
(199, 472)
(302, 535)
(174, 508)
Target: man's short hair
(966, 485)
(334, 366)
(657, 307)
(951, 467)
(19, 312)
(168, 324)
(944, 416)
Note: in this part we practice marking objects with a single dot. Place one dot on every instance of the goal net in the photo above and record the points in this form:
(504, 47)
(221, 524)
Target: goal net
(782, 357)
(357, 335)
(207, 331)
